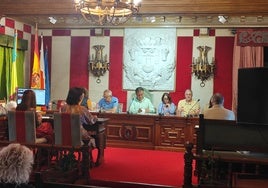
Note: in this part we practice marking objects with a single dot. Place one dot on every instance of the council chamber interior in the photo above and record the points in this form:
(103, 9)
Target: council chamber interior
(157, 48)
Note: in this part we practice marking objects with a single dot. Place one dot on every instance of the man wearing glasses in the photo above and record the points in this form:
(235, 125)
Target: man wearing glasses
(108, 103)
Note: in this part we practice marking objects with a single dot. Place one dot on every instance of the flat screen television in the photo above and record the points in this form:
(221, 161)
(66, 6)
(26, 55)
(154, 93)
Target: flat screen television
(252, 103)
(40, 95)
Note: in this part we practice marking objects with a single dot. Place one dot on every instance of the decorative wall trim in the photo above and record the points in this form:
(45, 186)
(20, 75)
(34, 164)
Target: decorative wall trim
(252, 37)
(7, 41)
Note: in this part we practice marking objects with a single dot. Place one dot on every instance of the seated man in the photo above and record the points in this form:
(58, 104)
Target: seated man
(217, 111)
(188, 106)
(141, 104)
(108, 103)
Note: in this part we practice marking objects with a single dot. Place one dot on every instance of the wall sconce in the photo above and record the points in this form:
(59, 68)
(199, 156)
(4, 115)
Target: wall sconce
(98, 64)
(201, 68)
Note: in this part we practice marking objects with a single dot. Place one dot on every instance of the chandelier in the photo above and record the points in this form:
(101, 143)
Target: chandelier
(201, 68)
(105, 12)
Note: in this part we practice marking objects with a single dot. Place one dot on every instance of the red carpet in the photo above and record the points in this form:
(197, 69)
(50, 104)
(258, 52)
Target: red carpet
(143, 166)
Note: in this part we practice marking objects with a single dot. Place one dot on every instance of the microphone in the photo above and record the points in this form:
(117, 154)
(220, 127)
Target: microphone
(189, 115)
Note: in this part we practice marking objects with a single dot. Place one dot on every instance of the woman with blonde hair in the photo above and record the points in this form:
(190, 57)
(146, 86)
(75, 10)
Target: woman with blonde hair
(16, 163)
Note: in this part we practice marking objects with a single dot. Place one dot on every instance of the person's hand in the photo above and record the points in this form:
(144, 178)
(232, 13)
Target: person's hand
(95, 118)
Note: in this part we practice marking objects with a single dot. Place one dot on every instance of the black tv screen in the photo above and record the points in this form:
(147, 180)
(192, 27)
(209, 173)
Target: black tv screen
(40, 95)
(252, 106)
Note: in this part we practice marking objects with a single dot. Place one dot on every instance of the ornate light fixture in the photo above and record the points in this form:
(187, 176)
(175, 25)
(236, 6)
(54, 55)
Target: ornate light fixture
(103, 12)
(201, 68)
(98, 64)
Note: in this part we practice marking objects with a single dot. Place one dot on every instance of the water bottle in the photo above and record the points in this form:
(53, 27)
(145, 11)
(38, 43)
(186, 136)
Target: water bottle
(50, 105)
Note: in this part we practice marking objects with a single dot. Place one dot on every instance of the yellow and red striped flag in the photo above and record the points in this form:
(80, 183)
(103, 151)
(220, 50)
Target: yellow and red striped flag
(36, 76)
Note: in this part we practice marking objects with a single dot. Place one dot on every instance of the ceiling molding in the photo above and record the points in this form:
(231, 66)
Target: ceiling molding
(168, 13)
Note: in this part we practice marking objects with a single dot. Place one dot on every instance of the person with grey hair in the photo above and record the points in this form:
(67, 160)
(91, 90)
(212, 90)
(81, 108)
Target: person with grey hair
(188, 107)
(108, 103)
(16, 163)
(141, 104)
(217, 111)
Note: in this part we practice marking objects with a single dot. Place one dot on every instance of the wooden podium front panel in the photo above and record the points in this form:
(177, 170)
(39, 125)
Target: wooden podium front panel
(134, 131)
(149, 131)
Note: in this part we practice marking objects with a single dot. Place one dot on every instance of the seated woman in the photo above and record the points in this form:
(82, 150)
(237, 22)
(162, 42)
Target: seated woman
(44, 131)
(166, 107)
(16, 165)
(73, 101)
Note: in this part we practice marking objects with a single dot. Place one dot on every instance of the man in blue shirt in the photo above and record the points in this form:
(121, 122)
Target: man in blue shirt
(141, 104)
(108, 103)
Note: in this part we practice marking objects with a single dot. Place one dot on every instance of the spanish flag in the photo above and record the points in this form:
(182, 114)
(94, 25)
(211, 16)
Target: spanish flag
(14, 77)
(36, 75)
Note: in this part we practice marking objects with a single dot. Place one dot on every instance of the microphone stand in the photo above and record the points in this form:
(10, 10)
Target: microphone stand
(188, 114)
(130, 106)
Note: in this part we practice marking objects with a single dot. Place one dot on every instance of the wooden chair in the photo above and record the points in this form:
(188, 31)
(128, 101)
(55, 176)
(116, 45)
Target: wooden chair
(67, 129)
(22, 127)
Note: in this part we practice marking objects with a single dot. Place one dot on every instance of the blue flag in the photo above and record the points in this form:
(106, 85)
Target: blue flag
(47, 85)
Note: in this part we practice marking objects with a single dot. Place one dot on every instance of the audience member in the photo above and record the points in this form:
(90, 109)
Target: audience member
(44, 131)
(16, 165)
(11, 105)
(86, 102)
(108, 103)
(28, 101)
(166, 107)
(188, 106)
(217, 111)
(3, 110)
(141, 104)
(73, 101)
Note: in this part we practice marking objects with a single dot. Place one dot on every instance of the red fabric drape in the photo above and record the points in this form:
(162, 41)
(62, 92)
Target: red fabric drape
(79, 62)
(183, 68)
(116, 70)
(223, 76)
(243, 57)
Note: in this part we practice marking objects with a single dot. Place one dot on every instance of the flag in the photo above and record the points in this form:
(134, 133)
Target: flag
(14, 78)
(36, 80)
(47, 77)
(42, 66)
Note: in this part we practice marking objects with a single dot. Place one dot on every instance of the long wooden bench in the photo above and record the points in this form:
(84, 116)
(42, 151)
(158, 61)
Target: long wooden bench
(225, 148)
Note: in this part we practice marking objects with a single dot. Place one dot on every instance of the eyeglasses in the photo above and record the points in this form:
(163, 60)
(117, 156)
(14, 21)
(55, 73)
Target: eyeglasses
(107, 97)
